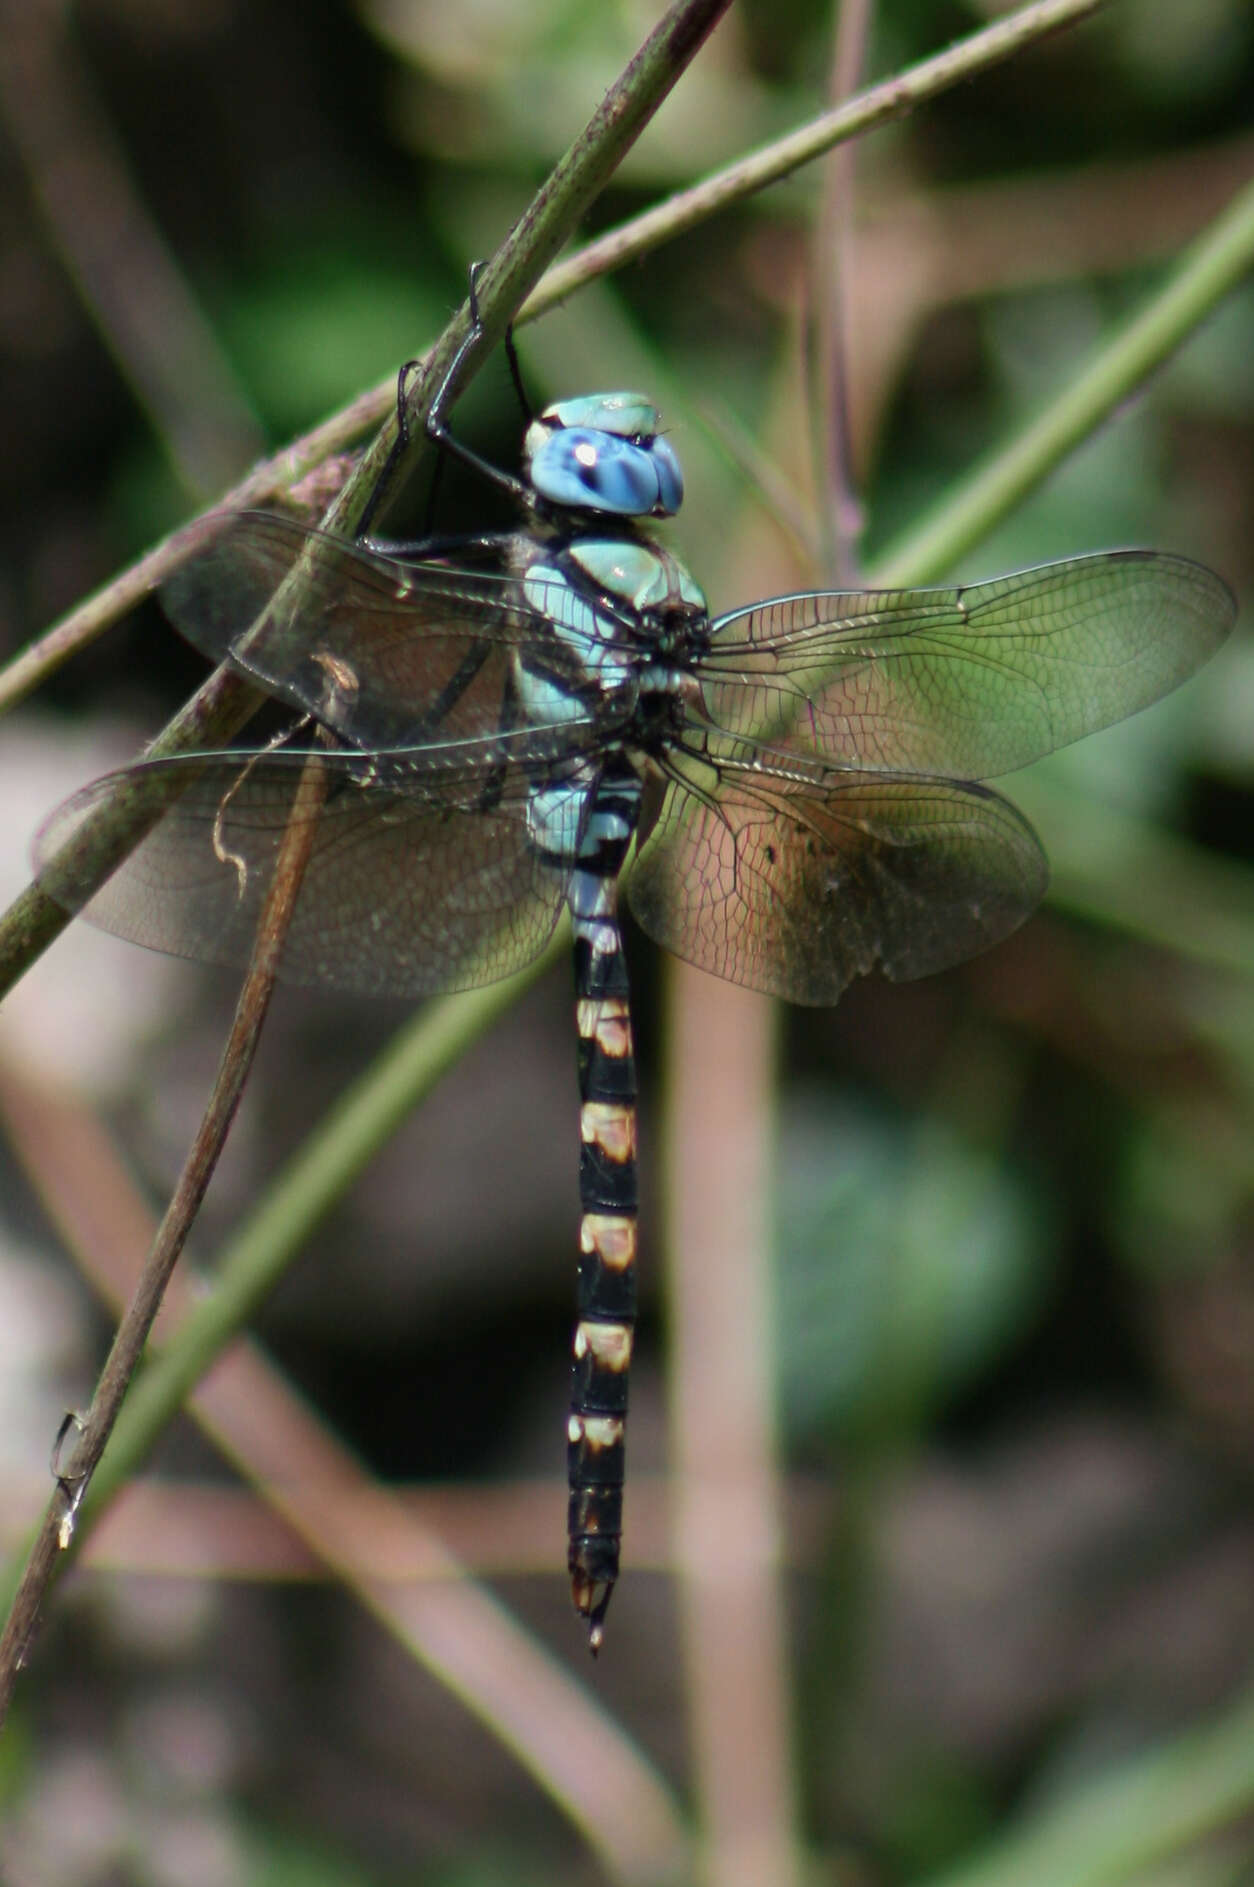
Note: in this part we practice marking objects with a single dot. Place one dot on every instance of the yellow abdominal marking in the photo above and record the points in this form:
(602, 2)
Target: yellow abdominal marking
(612, 1239)
(610, 1126)
(595, 1431)
(607, 1022)
(609, 1343)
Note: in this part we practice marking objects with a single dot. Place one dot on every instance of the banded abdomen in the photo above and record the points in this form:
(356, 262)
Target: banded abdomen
(605, 1329)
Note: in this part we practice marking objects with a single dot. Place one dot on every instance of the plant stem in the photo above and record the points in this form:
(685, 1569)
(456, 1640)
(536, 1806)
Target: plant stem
(1209, 268)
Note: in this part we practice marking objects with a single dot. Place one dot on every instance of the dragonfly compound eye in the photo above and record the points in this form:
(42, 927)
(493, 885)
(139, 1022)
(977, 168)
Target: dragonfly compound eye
(599, 471)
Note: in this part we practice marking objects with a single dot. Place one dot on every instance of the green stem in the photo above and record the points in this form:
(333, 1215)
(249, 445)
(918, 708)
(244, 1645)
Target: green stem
(225, 702)
(312, 1182)
(572, 187)
(1212, 266)
(876, 106)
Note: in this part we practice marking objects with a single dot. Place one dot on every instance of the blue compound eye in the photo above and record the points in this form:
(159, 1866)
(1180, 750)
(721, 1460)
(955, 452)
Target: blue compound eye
(598, 471)
(670, 480)
(603, 453)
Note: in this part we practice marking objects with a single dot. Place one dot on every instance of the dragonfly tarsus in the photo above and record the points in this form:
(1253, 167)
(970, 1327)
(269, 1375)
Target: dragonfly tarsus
(437, 427)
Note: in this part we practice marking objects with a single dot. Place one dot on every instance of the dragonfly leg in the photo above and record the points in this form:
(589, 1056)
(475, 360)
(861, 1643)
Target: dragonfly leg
(515, 374)
(438, 429)
(437, 426)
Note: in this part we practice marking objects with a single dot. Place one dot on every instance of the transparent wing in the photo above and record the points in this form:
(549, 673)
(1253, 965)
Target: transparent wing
(975, 681)
(796, 886)
(387, 653)
(405, 892)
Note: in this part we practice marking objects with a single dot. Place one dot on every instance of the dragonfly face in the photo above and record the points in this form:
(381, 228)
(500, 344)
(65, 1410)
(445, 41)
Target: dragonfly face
(815, 768)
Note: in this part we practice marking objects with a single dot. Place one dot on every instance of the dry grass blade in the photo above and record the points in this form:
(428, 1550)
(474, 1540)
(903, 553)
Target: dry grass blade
(396, 1565)
(55, 1539)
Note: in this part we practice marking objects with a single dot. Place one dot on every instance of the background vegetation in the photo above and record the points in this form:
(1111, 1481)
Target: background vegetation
(1011, 1205)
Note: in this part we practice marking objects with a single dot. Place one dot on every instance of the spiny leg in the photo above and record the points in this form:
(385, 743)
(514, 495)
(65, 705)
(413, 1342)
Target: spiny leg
(437, 426)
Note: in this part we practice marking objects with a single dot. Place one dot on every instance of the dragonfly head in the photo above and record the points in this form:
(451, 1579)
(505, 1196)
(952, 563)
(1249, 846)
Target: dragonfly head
(603, 453)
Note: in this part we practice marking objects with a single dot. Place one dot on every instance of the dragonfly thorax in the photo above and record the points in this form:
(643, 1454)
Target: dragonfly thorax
(650, 582)
(625, 614)
(603, 453)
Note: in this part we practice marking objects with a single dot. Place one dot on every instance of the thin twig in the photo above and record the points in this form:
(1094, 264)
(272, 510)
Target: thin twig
(733, 1631)
(513, 271)
(895, 98)
(217, 710)
(831, 362)
(880, 105)
(226, 699)
(390, 1552)
(1213, 265)
(318, 1175)
(727, 1496)
(54, 1543)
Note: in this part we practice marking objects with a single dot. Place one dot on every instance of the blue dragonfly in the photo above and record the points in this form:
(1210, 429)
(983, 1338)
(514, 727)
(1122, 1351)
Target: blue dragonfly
(793, 794)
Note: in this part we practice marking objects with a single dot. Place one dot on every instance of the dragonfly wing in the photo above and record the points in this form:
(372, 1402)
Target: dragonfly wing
(405, 891)
(975, 681)
(387, 653)
(796, 887)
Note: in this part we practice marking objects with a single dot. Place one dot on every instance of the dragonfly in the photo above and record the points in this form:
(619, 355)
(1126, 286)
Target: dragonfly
(792, 794)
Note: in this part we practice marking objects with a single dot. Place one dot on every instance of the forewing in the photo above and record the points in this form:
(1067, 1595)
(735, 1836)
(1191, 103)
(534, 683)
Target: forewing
(974, 681)
(404, 892)
(386, 653)
(796, 887)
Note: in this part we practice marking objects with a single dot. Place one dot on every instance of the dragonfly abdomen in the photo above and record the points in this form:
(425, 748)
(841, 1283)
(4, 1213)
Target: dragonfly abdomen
(605, 1329)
